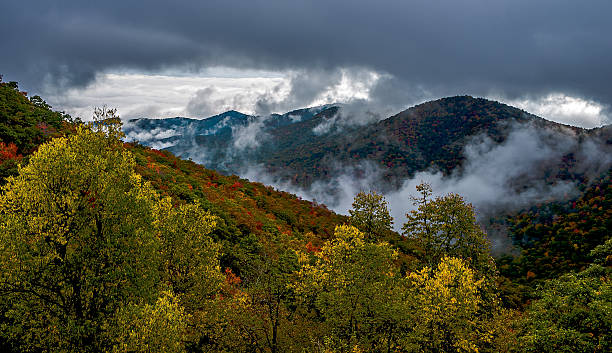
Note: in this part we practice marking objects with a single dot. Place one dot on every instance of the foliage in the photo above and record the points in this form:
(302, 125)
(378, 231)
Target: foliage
(351, 284)
(447, 303)
(556, 239)
(370, 214)
(26, 123)
(244, 209)
(366, 304)
(83, 237)
(147, 328)
(446, 226)
(76, 240)
(257, 312)
(602, 254)
(571, 314)
(188, 255)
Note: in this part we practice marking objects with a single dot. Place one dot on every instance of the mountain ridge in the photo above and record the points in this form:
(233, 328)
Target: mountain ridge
(431, 135)
(530, 159)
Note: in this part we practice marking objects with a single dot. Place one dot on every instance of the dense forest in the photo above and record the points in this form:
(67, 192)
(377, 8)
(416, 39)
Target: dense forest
(108, 246)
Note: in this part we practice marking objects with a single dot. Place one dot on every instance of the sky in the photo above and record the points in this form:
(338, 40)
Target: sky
(197, 58)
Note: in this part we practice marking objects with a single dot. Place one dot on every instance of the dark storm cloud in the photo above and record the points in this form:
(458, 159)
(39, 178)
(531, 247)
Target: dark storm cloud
(514, 48)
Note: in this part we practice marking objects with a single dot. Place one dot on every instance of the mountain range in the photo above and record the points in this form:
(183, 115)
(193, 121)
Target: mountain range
(500, 157)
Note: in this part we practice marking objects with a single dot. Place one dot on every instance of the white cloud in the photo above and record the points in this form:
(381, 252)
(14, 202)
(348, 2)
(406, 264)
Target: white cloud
(213, 91)
(564, 109)
(137, 95)
(155, 134)
(353, 85)
(249, 135)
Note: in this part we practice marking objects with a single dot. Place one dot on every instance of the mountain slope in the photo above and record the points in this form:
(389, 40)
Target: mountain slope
(211, 141)
(252, 215)
(429, 136)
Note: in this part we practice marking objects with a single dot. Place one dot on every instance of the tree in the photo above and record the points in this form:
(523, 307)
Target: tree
(257, 311)
(76, 241)
(446, 226)
(151, 328)
(82, 238)
(39, 102)
(571, 314)
(370, 214)
(189, 257)
(353, 283)
(446, 302)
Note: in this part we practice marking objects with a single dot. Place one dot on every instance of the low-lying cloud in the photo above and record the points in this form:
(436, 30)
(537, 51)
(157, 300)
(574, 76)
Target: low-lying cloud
(565, 109)
(249, 136)
(494, 177)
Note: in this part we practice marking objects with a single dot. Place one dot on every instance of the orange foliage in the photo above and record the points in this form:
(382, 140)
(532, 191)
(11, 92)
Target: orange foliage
(8, 152)
(312, 248)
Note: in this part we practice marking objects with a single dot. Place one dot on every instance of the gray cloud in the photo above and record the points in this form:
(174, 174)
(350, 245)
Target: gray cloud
(208, 102)
(305, 87)
(514, 48)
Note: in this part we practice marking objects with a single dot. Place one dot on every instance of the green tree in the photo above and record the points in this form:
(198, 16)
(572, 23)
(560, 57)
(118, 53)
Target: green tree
(257, 312)
(370, 214)
(571, 314)
(446, 226)
(189, 257)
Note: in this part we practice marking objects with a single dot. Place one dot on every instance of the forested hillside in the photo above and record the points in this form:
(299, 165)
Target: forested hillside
(107, 246)
(247, 210)
(558, 237)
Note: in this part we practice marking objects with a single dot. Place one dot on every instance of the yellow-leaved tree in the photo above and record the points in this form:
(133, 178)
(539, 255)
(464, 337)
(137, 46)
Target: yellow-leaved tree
(83, 237)
(447, 301)
(353, 283)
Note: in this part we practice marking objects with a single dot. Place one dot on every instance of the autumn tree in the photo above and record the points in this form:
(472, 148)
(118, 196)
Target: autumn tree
(352, 284)
(82, 238)
(446, 303)
(370, 214)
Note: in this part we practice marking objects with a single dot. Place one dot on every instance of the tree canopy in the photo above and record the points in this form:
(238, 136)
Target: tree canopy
(81, 234)
(370, 214)
(446, 226)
